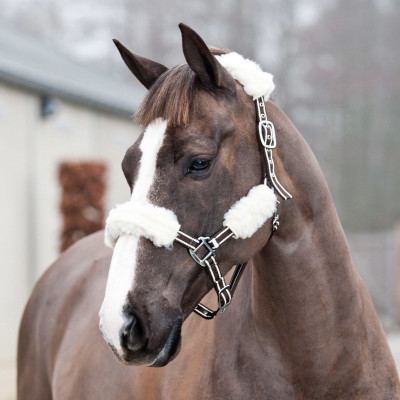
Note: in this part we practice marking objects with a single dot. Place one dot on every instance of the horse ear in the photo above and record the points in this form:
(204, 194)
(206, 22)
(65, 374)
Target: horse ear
(202, 62)
(145, 70)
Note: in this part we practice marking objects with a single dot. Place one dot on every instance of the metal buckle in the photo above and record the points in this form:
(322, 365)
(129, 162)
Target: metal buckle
(275, 222)
(203, 242)
(226, 289)
(266, 130)
(205, 312)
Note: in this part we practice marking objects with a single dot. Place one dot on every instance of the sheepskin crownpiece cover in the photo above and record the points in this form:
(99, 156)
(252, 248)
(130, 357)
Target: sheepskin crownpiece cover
(256, 83)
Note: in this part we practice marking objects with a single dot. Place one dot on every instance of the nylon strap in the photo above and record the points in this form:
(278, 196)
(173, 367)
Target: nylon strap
(202, 250)
(266, 131)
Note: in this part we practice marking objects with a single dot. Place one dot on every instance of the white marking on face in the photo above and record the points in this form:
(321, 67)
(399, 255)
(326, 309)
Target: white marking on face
(120, 279)
(150, 146)
(121, 276)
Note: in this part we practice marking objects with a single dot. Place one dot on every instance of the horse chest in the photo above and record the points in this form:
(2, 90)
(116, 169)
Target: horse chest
(193, 380)
(221, 366)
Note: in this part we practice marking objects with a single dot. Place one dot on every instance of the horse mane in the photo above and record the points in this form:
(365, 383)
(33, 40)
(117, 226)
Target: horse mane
(171, 96)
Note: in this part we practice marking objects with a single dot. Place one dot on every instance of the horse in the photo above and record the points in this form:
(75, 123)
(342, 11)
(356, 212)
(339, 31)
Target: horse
(222, 183)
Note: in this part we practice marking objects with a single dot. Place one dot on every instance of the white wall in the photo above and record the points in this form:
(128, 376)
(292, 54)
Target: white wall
(30, 150)
(75, 134)
(15, 116)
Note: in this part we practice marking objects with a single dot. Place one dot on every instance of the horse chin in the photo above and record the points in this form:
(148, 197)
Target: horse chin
(172, 346)
(166, 357)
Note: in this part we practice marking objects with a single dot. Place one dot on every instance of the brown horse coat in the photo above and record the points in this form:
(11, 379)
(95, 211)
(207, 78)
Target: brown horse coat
(301, 324)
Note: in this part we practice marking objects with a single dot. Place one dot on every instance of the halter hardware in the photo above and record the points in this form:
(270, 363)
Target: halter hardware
(207, 246)
(203, 243)
(266, 131)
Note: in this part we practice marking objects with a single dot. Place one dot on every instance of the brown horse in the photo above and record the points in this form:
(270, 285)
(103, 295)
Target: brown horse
(300, 325)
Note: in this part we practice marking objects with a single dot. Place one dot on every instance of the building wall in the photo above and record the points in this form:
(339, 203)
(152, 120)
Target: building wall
(31, 148)
(15, 114)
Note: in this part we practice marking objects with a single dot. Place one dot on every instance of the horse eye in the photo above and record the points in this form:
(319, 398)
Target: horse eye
(199, 165)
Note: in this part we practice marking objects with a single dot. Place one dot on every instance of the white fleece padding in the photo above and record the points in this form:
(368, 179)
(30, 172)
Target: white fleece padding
(250, 212)
(157, 224)
(255, 81)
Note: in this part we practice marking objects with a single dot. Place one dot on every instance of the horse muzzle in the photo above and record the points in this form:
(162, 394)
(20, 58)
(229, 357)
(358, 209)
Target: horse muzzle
(142, 345)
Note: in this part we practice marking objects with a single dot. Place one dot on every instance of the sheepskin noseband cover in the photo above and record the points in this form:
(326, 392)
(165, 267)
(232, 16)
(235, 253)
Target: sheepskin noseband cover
(161, 225)
(157, 224)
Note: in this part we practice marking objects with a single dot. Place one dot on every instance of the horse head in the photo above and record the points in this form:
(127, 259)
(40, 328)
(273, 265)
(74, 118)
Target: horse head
(196, 168)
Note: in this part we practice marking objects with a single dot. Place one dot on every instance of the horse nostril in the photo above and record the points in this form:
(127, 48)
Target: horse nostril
(133, 334)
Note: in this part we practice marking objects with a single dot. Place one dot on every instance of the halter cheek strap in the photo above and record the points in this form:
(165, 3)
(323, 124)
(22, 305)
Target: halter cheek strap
(266, 132)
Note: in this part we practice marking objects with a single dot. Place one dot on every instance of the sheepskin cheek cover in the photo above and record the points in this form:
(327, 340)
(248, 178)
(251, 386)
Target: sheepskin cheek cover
(249, 213)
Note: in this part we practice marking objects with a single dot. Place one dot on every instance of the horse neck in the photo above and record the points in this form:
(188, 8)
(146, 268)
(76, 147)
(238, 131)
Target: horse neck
(306, 292)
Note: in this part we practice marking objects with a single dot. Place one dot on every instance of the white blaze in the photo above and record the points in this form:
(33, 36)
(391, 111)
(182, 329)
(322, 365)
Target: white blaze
(150, 146)
(120, 279)
(121, 276)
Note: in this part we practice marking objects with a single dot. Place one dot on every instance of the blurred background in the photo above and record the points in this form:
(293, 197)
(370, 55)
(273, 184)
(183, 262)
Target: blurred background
(66, 102)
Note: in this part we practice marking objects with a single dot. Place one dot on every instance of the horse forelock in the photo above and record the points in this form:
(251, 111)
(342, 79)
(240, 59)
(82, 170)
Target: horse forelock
(173, 95)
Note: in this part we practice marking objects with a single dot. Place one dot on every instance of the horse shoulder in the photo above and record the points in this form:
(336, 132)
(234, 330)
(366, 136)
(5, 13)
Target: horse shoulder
(53, 303)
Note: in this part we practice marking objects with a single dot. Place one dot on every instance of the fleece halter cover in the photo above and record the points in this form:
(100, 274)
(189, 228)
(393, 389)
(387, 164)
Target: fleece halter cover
(138, 217)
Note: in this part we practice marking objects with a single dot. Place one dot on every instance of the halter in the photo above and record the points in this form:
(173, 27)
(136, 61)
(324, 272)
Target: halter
(203, 249)
(132, 218)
